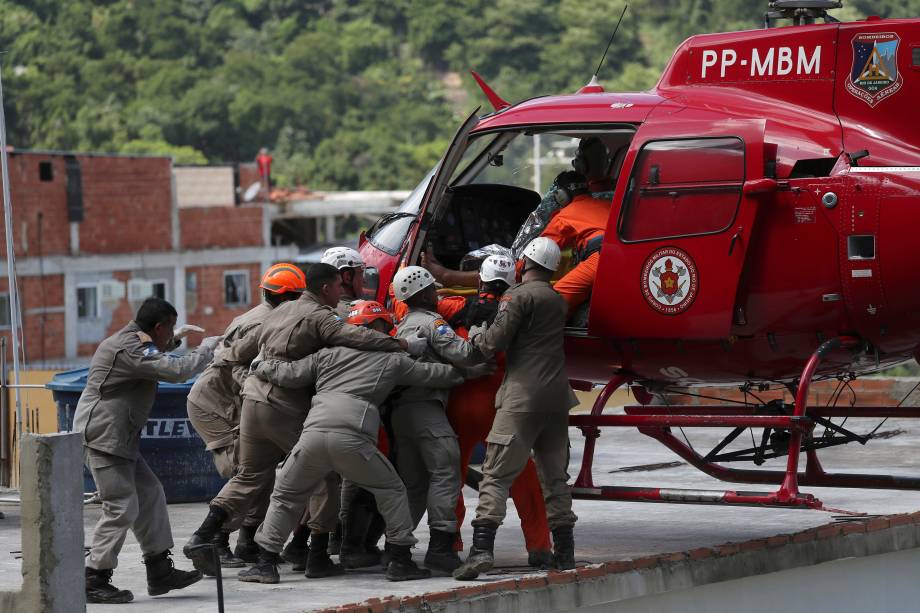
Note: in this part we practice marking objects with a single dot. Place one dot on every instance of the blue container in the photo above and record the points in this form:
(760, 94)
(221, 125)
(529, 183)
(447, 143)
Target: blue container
(169, 443)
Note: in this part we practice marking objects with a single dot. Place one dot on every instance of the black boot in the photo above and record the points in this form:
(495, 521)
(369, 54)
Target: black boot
(481, 557)
(563, 548)
(265, 569)
(296, 551)
(221, 543)
(319, 564)
(541, 559)
(99, 588)
(353, 553)
(441, 558)
(401, 567)
(246, 548)
(163, 576)
(199, 548)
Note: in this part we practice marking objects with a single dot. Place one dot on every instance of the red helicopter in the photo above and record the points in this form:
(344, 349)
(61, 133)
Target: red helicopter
(761, 233)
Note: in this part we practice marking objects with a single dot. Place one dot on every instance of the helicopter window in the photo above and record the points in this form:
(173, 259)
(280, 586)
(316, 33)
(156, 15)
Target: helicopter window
(683, 188)
(861, 247)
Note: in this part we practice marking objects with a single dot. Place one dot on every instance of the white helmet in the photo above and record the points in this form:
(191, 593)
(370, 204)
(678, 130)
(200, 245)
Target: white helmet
(410, 280)
(497, 268)
(342, 257)
(543, 251)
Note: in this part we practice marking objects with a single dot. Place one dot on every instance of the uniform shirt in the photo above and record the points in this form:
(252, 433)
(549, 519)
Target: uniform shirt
(528, 328)
(351, 384)
(218, 388)
(292, 331)
(444, 346)
(583, 219)
(121, 386)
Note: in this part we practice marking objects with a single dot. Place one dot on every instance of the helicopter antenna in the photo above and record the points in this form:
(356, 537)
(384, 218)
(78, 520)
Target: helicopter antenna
(609, 42)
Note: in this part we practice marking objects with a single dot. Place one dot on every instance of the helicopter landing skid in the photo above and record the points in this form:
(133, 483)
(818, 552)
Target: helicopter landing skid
(792, 427)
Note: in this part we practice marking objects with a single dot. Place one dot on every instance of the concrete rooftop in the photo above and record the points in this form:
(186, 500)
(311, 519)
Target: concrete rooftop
(605, 531)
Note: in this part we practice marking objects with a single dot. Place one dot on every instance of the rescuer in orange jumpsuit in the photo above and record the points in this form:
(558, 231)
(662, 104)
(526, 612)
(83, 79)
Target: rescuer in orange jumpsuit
(580, 225)
(471, 407)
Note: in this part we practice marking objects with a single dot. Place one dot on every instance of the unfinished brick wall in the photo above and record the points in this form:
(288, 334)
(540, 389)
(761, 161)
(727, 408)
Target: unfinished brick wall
(207, 308)
(31, 196)
(207, 227)
(43, 332)
(127, 203)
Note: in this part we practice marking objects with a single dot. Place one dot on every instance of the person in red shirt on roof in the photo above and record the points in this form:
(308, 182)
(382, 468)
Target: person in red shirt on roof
(579, 225)
(471, 406)
(264, 162)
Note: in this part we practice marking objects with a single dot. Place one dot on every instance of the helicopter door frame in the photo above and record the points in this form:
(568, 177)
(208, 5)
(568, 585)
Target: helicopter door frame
(676, 241)
(438, 187)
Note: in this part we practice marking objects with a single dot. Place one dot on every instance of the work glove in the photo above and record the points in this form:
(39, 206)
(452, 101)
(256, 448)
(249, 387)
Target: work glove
(210, 343)
(186, 329)
(417, 344)
(475, 331)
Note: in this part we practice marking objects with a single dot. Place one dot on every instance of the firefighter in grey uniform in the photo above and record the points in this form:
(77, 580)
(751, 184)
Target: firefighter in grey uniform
(112, 411)
(532, 405)
(360, 524)
(340, 434)
(427, 453)
(324, 501)
(214, 402)
(273, 416)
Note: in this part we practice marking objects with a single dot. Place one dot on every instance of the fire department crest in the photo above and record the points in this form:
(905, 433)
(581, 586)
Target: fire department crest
(874, 74)
(669, 280)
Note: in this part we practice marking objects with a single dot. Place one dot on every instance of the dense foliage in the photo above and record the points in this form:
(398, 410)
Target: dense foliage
(349, 94)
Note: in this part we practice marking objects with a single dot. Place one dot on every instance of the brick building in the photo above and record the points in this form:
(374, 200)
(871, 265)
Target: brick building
(96, 234)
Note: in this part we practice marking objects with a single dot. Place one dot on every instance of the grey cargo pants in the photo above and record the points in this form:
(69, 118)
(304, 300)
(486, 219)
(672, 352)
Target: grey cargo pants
(508, 447)
(428, 460)
(266, 437)
(351, 455)
(132, 499)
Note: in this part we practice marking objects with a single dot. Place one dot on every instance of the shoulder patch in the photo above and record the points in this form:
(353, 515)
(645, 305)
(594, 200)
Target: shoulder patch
(444, 330)
(439, 322)
(149, 349)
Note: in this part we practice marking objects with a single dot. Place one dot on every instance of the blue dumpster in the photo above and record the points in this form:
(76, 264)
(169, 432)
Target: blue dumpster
(169, 443)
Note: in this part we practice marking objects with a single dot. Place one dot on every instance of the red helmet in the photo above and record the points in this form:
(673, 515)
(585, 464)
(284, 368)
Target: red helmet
(364, 312)
(282, 278)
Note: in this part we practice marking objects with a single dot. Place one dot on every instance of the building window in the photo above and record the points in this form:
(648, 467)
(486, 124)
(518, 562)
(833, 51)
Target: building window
(683, 188)
(45, 171)
(191, 292)
(5, 315)
(158, 289)
(236, 288)
(87, 302)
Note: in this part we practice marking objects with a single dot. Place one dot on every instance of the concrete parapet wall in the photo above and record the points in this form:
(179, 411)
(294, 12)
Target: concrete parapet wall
(603, 585)
(52, 527)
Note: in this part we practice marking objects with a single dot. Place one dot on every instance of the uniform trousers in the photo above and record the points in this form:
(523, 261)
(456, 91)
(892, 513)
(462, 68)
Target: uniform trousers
(428, 460)
(267, 435)
(357, 459)
(132, 499)
(509, 444)
(471, 411)
(575, 286)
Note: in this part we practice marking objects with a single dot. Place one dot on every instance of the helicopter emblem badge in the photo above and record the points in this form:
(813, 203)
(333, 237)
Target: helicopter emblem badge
(669, 280)
(874, 73)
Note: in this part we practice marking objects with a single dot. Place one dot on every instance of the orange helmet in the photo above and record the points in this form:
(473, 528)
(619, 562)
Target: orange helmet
(282, 278)
(364, 312)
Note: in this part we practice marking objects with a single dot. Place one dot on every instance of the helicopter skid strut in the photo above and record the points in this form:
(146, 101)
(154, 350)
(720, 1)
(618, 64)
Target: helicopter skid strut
(657, 421)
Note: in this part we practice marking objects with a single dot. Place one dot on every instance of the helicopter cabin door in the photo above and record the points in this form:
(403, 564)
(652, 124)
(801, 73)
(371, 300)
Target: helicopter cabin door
(680, 225)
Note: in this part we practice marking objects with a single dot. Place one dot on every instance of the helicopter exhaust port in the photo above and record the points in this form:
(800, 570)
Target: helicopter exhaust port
(800, 12)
